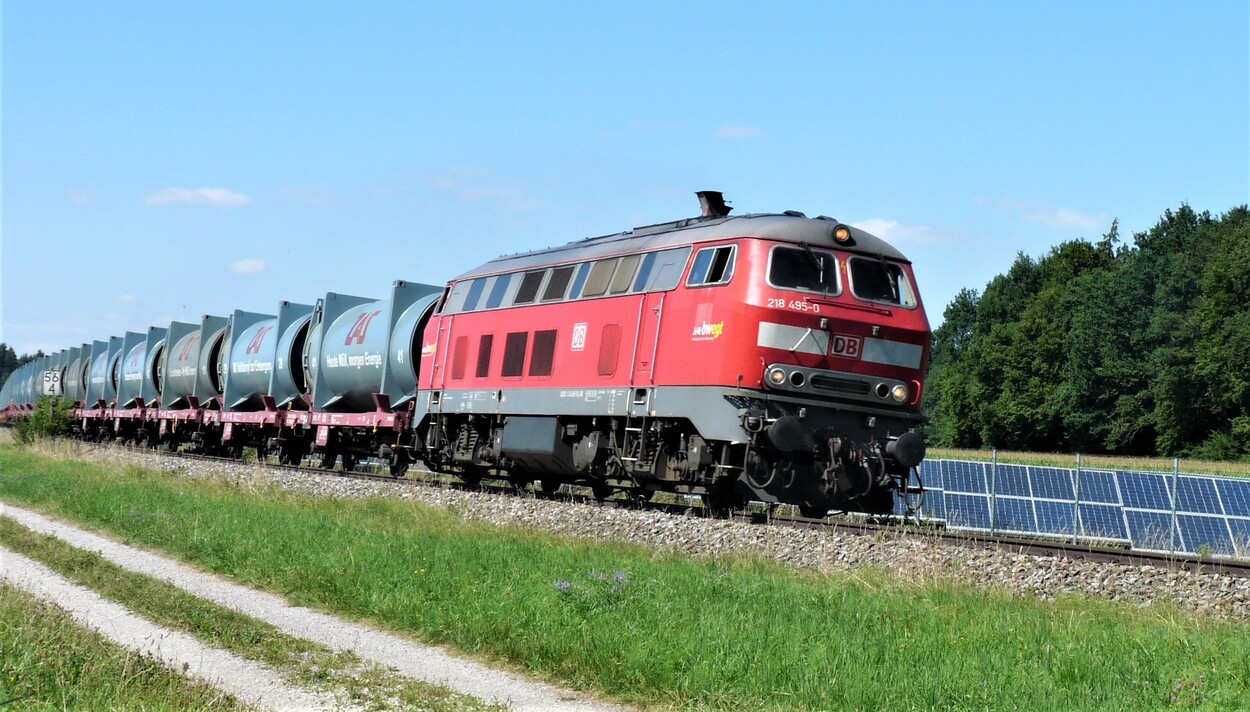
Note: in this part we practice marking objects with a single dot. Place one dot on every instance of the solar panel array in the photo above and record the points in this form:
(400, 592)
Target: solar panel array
(1149, 511)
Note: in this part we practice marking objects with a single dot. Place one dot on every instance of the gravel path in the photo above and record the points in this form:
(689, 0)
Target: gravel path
(247, 681)
(411, 659)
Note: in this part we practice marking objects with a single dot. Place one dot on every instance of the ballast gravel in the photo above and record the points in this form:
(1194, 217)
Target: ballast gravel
(414, 660)
(246, 681)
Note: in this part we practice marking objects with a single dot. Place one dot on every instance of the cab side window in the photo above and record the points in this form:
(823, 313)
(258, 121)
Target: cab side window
(712, 266)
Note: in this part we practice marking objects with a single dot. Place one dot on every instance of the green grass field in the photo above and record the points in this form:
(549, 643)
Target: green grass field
(48, 663)
(656, 630)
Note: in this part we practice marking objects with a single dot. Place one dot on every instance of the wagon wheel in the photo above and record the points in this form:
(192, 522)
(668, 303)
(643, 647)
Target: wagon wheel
(721, 500)
(328, 458)
(399, 463)
(472, 475)
(349, 461)
(813, 512)
(601, 491)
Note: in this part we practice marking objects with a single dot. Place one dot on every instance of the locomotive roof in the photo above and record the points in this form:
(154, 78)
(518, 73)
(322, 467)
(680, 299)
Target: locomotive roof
(789, 227)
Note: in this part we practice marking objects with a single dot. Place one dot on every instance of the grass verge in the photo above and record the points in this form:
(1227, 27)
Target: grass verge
(47, 662)
(303, 662)
(659, 630)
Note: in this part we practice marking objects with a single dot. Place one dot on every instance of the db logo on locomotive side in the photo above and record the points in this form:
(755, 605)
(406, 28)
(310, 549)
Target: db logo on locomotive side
(846, 346)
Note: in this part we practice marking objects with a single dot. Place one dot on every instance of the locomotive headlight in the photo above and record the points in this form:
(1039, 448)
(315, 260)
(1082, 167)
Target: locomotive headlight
(899, 393)
(776, 376)
(842, 235)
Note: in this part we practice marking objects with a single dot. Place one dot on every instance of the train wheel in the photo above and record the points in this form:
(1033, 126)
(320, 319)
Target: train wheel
(349, 462)
(721, 500)
(601, 491)
(472, 476)
(814, 512)
(399, 463)
(328, 458)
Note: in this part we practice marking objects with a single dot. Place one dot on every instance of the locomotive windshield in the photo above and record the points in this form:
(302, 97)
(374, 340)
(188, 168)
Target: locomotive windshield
(804, 269)
(875, 280)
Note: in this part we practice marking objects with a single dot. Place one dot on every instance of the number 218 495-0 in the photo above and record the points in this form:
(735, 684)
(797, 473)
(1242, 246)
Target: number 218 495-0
(793, 305)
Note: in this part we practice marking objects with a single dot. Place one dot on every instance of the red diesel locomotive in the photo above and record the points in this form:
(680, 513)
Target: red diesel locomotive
(773, 358)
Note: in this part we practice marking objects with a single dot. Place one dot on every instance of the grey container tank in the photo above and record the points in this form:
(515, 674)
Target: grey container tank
(185, 366)
(351, 344)
(73, 381)
(141, 377)
(135, 350)
(249, 350)
(265, 358)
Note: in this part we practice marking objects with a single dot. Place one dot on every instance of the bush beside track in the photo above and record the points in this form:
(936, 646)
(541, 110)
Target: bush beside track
(658, 629)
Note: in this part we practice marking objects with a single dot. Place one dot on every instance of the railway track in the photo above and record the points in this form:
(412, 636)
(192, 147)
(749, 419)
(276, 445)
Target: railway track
(778, 517)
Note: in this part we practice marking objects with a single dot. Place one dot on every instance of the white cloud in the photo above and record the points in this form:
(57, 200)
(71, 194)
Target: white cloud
(248, 266)
(475, 185)
(216, 197)
(125, 298)
(1057, 218)
(81, 196)
(897, 233)
(737, 132)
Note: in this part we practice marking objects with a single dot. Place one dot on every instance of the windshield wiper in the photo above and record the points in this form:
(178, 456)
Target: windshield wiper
(885, 266)
(820, 266)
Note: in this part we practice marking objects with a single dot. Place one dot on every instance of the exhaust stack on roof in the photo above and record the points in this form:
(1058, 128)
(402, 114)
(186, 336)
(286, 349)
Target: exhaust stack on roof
(712, 202)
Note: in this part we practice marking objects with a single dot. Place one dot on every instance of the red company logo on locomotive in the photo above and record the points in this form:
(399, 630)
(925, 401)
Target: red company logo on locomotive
(704, 328)
(361, 326)
(254, 346)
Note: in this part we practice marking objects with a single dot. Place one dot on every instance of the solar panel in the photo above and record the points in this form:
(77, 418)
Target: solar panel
(931, 473)
(1240, 529)
(1208, 515)
(1052, 483)
(1056, 517)
(1197, 494)
(967, 511)
(1011, 480)
(1099, 486)
(1102, 521)
(1146, 490)
(966, 477)
(1205, 535)
(1235, 494)
(1151, 530)
(1014, 515)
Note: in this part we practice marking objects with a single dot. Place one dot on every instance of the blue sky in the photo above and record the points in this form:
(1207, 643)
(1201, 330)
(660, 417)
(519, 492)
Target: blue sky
(166, 160)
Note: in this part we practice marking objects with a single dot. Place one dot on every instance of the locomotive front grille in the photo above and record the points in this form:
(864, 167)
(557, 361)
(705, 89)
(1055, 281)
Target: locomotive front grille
(833, 384)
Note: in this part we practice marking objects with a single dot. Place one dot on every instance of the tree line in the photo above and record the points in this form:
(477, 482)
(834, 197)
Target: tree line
(10, 361)
(1102, 347)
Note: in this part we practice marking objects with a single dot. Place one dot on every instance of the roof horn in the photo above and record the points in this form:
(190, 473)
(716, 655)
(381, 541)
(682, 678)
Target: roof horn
(713, 204)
